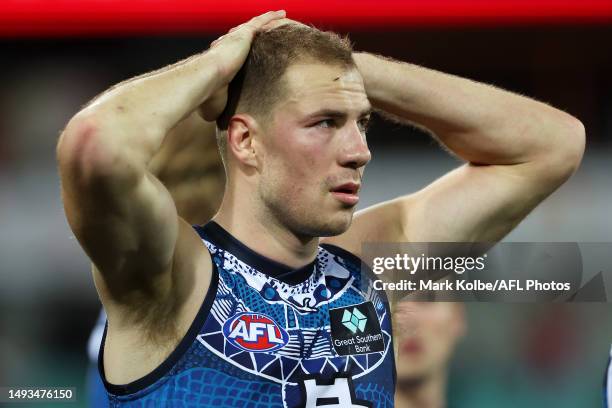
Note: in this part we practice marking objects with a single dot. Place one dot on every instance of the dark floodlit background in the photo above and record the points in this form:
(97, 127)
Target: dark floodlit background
(515, 355)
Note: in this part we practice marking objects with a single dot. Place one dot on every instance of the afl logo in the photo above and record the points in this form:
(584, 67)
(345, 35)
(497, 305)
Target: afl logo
(254, 332)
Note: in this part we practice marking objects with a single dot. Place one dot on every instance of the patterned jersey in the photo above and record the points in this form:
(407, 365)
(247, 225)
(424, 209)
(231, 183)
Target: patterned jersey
(268, 336)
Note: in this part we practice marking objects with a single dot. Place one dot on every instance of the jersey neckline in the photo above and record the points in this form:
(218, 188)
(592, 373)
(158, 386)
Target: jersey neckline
(220, 237)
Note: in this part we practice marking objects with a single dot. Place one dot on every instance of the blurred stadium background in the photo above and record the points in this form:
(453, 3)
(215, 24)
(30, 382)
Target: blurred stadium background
(56, 55)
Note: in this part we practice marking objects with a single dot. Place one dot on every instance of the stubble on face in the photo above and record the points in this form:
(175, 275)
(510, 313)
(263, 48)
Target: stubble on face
(301, 166)
(300, 217)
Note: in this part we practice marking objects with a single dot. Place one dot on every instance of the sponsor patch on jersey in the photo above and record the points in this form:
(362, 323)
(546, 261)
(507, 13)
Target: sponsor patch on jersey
(254, 332)
(355, 329)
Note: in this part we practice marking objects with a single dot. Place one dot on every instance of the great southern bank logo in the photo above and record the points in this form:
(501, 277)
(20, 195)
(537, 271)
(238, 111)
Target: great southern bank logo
(254, 332)
(354, 321)
(355, 329)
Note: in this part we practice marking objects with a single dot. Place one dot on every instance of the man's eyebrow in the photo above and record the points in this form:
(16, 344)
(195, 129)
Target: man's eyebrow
(339, 114)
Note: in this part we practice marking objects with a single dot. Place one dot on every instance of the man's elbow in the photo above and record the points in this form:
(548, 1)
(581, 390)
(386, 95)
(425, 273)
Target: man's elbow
(565, 154)
(77, 144)
(572, 147)
(87, 155)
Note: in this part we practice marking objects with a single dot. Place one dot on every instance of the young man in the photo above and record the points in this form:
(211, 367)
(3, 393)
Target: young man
(427, 333)
(262, 314)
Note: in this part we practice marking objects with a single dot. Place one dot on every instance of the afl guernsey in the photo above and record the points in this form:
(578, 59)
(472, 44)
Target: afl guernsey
(268, 336)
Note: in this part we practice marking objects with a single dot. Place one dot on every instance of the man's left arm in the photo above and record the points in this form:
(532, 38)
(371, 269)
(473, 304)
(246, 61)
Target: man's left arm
(517, 152)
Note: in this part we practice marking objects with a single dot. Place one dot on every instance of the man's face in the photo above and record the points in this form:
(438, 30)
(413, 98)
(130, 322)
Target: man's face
(426, 333)
(315, 149)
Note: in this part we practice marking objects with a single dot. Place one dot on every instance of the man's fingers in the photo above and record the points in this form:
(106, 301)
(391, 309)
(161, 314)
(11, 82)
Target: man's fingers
(216, 41)
(254, 24)
(261, 20)
(281, 22)
(273, 24)
(265, 18)
(257, 23)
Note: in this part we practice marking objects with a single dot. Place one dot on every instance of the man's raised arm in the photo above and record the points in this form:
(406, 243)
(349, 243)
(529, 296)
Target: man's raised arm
(121, 214)
(517, 150)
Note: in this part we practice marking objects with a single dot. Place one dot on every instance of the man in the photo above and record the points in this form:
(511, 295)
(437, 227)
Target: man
(273, 318)
(427, 333)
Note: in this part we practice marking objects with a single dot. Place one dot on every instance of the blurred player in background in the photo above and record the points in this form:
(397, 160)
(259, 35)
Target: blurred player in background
(608, 383)
(426, 334)
(189, 165)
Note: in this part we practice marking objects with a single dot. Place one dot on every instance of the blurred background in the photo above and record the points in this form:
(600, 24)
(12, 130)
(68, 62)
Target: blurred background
(55, 58)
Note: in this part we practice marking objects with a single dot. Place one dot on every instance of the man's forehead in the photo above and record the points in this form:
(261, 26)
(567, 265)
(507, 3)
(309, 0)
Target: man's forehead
(320, 86)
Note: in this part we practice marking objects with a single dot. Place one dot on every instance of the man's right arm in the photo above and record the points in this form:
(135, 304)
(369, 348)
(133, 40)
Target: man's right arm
(123, 217)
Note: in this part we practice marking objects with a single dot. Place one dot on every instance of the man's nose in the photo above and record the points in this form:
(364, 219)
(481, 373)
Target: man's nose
(355, 151)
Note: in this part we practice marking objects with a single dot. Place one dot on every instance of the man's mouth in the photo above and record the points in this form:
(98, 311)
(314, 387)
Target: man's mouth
(347, 193)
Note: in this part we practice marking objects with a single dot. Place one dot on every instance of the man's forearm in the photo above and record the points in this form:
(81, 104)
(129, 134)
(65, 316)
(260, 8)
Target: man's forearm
(478, 122)
(135, 116)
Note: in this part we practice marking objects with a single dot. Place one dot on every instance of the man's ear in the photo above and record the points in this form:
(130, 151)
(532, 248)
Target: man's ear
(241, 131)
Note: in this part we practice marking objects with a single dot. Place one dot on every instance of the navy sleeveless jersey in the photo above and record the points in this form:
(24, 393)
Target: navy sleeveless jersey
(268, 336)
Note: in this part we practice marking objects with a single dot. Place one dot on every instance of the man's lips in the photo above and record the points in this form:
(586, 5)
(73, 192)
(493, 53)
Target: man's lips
(347, 193)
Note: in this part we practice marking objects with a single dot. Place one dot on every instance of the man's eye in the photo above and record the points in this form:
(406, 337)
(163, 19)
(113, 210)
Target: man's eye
(326, 123)
(363, 124)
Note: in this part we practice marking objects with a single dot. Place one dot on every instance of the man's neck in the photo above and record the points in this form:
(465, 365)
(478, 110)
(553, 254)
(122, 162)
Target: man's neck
(428, 392)
(265, 235)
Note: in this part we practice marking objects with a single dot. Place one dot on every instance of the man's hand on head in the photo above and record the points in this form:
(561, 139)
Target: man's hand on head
(281, 22)
(230, 51)
(232, 48)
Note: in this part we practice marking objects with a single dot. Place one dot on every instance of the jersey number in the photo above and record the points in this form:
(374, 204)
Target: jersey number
(337, 393)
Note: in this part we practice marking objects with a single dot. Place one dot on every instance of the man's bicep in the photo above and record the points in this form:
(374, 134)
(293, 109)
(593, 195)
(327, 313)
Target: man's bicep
(129, 230)
(473, 203)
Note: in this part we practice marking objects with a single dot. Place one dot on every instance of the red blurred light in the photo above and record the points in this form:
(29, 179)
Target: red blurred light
(115, 17)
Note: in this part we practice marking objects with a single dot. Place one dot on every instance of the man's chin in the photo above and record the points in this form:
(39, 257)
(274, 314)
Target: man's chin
(337, 226)
(324, 222)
